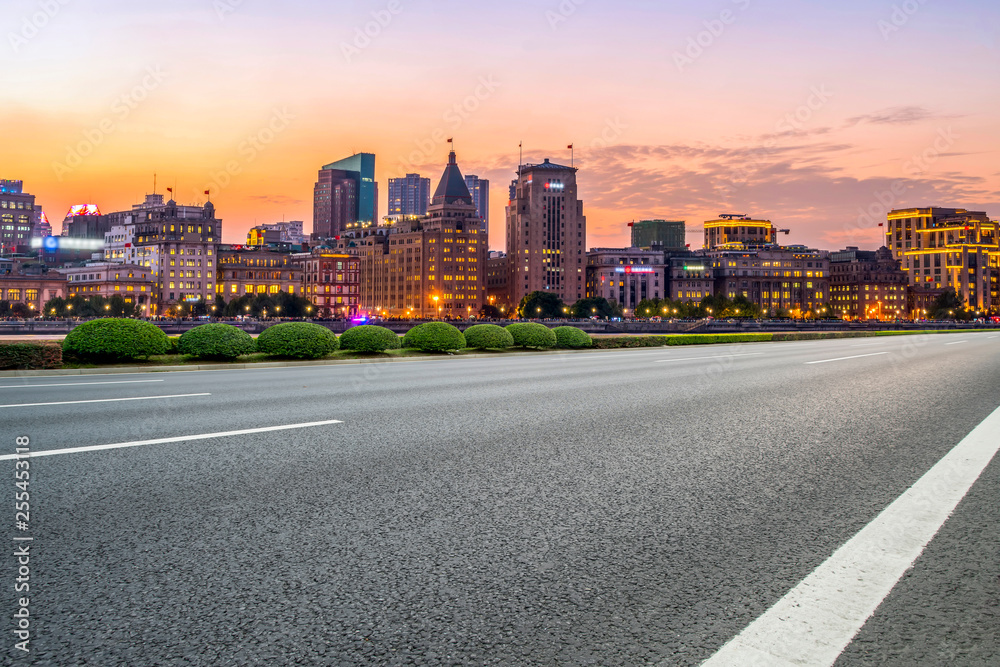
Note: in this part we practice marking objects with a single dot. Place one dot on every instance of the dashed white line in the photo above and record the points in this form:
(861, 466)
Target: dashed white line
(957, 342)
(818, 618)
(76, 384)
(100, 400)
(162, 441)
(719, 356)
(856, 356)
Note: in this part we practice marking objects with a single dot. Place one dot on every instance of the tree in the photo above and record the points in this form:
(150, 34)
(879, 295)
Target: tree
(490, 312)
(948, 305)
(55, 307)
(539, 305)
(595, 307)
(21, 309)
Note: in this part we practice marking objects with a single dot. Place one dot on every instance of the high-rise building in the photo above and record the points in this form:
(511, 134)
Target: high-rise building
(669, 234)
(409, 195)
(345, 196)
(943, 248)
(739, 230)
(479, 188)
(546, 233)
(17, 217)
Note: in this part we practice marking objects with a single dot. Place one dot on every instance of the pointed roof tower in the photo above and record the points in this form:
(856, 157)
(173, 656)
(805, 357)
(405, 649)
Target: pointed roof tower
(452, 188)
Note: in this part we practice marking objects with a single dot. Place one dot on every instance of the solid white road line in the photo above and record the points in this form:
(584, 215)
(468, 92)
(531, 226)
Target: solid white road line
(100, 400)
(161, 441)
(720, 356)
(76, 384)
(817, 619)
(856, 356)
(957, 342)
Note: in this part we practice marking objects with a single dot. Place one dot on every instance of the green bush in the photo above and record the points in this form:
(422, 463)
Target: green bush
(115, 339)
(175, 341)
(616, 342)
(216, 341)
(532, 334)
(434, 337)
(30, 355)
(488, 337)
(572, 338)
(301, 340)
(369, 338)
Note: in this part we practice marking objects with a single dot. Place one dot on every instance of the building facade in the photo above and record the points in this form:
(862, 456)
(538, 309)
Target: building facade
(739, 229)
(497, 289)
(409, 195)
(247, 270)
(546, 233)
(345, 196)
(668, 234)
(626, 275)
(479, 188)
(17, 217)
(331, 280)
(868, 285)
(290, 233)
(943, 248)
(691, 278)
(794, 279)
(135, 284)
(32, 286)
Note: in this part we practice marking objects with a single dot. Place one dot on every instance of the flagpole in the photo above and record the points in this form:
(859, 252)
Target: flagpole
(520, 157)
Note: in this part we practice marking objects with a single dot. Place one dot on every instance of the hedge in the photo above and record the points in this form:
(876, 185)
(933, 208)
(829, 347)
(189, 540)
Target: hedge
(30, 356)
(681, 339)
(115, 339)
(532, 334)
(572, 338)
(434, 337)
(488, 337)
(369, 338)
(300, 340)
(216, 341)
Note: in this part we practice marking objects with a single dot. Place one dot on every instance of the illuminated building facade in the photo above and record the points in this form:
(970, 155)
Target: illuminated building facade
(868, 285)
(546, 233)
(32, 287)
(670, 234)
(625, 276)
(135, 284)
(479, 188)
(331, 281)
(943, 248)
(497, 289)
(409, 195)
(17, 217)
(739, 229)
(243, 270)
(795, 279)
(345, 196)
(691, 278)
(276, 232)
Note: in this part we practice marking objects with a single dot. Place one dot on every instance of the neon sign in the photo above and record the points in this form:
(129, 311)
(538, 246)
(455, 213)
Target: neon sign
(634, 269)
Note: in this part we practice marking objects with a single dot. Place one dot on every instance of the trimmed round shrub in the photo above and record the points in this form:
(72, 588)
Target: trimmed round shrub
(300, 340)
(572, 338)
(216, 341)
(488, 337)
(532, 334)
(369, 338)
(113, 338)
(434, 337)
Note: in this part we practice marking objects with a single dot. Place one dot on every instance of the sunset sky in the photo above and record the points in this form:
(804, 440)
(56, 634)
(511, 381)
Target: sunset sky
(805, 113)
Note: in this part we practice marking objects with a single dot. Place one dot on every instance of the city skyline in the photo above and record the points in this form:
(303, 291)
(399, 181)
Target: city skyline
(688, 125)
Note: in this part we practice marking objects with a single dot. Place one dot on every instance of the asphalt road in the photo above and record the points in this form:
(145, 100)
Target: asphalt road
(606, 508)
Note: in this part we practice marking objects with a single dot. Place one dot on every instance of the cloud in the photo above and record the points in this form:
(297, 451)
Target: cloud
(281, 200)
(906, 115)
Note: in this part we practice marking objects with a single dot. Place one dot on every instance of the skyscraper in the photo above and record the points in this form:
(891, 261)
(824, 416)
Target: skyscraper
(479, 188)
(17, 217)
(667, 233)
(546, 233)
(409, 195)
(345, 196)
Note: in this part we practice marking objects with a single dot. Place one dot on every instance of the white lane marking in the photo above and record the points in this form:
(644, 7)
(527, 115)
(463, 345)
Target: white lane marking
(818, 618)
(856, 356)
(161, 441)
(957, 342)
(720, 356)
(76, 384)
(869, 344)
(100, 400)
